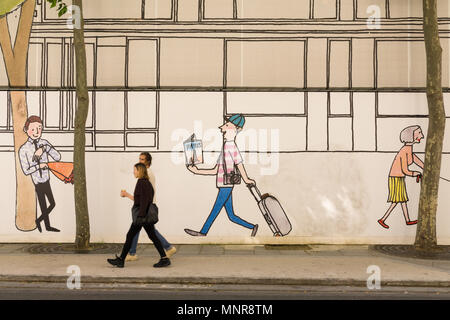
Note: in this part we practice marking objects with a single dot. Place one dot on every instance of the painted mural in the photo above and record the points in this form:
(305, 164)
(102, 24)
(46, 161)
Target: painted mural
(274, 123)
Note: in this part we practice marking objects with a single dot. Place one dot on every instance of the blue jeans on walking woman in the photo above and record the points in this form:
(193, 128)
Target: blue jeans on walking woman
(166, 245)
(224, 198)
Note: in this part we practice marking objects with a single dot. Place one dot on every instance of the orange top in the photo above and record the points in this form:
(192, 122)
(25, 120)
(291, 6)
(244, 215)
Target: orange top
(402, 161)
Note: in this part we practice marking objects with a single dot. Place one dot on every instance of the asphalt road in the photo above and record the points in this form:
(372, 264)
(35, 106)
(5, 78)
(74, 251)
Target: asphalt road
(39, 291)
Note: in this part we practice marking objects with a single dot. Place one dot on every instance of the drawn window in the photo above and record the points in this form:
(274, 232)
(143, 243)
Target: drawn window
(269, 9)
(141, 109)
(109, 110)
(111, 52)
(192, 62)
(370, 8)
(158, 9)
(52, 109)
(263, 103)
(265, 64)
(4, 110)
(339, 66)
(35, 62)
(54, 64)
(414, 9)
(340, 103)
(142, 63)
(325, 9)
(401, 64)
(218, 9)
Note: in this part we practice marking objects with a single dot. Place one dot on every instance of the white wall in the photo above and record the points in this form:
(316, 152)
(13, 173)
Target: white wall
(329, 196)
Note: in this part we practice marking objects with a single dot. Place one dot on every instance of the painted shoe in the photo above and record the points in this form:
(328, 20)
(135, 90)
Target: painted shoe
(131, 257)
(171, 252)
(194, 233)
(254, 230)
(409, 223)
(384, 225)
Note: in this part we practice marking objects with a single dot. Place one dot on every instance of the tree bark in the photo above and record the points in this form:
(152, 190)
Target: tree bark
(81, 205)
(426, 226)
(16, 63)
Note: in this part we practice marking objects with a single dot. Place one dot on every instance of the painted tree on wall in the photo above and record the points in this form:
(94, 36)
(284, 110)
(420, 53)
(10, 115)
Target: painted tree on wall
(15, 54)
(426, 227)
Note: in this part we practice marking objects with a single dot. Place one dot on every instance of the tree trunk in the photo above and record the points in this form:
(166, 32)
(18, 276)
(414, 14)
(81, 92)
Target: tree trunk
(81, 206)
(426, 227)
(16, 62)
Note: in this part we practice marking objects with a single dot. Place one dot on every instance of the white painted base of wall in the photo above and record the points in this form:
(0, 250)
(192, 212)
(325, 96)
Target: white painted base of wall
(333, 198)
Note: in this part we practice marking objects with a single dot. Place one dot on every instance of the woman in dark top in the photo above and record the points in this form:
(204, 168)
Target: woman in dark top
(143, 197)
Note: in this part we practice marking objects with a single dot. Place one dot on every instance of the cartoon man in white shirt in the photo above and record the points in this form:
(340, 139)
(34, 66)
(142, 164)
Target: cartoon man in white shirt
(33, 155)
(226, 176)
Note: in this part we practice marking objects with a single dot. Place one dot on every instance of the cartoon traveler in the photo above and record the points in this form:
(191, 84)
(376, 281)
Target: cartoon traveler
(34, 155)
(399, 169)
(226, 176)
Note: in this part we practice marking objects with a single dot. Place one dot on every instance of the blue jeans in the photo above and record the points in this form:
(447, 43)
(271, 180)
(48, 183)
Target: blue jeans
(166, 245)
(224, 199)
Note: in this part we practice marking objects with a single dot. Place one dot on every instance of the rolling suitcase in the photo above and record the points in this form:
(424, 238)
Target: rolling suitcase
(272, 211)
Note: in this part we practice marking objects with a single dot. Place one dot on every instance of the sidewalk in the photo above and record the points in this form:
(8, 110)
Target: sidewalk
(343, 265)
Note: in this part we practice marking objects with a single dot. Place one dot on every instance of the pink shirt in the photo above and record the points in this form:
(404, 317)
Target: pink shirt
(232, 157)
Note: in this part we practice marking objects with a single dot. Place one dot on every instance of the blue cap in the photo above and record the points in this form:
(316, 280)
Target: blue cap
(237, 119)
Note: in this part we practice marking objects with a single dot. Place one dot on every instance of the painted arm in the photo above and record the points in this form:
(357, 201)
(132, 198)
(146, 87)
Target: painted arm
(405, 168)
(244, 175)
(204, 172)
(28, 167)
(417, 161)
(52, 151)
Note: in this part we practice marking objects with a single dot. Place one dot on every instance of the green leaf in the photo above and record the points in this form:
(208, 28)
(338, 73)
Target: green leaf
(62, 11)
(7, 6)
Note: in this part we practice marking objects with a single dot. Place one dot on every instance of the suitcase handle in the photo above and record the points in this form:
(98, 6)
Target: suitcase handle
(253, 188)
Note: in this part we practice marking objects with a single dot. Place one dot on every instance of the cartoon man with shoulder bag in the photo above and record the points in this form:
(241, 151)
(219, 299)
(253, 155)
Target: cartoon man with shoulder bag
(228, 171)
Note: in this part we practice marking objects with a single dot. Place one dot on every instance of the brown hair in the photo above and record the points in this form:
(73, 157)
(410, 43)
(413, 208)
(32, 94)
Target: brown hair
(142, 171)
(30, 120)
(148, 157)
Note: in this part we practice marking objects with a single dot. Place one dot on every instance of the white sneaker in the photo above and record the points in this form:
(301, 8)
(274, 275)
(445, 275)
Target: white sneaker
(171, 252)
(131, 257)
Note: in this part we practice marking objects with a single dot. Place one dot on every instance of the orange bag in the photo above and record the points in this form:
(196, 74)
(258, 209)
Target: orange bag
(62, 170)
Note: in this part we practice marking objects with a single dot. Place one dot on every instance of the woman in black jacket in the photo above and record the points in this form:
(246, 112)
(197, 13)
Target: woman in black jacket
(143, 197)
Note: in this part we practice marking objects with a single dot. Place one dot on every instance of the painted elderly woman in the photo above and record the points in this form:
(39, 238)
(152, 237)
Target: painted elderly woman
(399, 169)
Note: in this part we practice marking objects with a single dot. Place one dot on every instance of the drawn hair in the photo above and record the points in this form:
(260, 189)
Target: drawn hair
(30, 120)
(148, 157)
(142, 171)
(407, 134)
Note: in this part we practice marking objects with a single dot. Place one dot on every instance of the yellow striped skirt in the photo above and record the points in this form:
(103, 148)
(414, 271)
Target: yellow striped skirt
(397, 190)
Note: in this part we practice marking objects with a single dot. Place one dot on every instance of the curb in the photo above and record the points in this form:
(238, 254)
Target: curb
(223, 281)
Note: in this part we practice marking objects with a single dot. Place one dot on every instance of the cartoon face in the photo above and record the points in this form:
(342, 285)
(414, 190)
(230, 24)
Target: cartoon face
(228, 130)
(418, 135)
(34, 130)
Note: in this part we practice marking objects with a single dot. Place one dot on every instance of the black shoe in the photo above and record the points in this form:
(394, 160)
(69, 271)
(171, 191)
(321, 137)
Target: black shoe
(38, 225)
(118, 262)
(164, 262)
(51, 229)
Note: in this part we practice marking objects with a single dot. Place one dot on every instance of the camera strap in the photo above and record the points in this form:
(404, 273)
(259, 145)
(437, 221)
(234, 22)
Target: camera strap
(225, 162)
